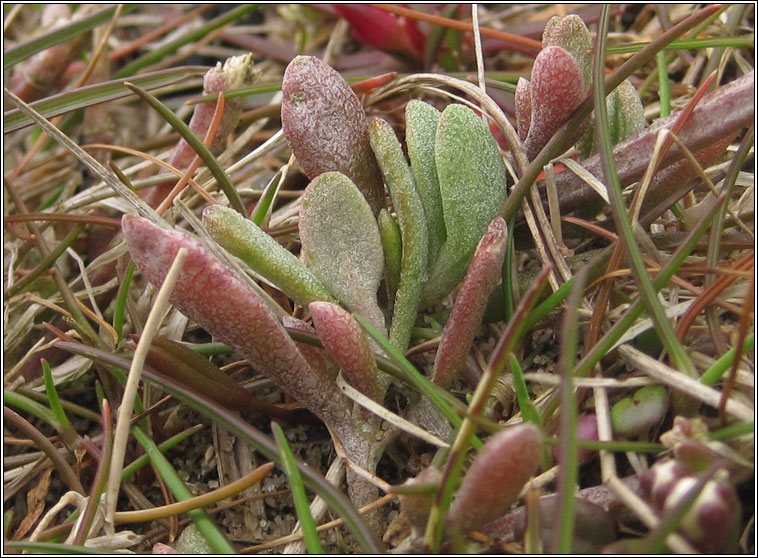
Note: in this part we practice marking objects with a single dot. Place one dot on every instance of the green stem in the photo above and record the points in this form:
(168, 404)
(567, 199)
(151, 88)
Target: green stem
(618, 209)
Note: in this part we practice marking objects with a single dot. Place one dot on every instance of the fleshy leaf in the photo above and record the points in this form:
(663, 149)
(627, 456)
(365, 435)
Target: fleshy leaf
(341, 243)
(421, 120)
(392, 243)
(473, 185)
(344, 340)
(637, 414)
(325, 125)
(625, 113)
(571, 34)
(410, 217)
(495, 478)
(523, 98)
(466, 317)
(264, 255)
(557, 88)
(192, 369)
(628, 117)
(211, 294)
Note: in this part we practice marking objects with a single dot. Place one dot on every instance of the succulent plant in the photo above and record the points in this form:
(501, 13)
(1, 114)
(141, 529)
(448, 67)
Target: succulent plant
(325, 125)
(496, 476)
(712, 520)
(639, 413)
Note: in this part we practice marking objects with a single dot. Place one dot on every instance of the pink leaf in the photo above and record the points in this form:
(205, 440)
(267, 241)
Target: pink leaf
(344, 340)
(325, 125)
(557, 90)
(497, 475)
(523, 107)
(211, 294)
(466, 317)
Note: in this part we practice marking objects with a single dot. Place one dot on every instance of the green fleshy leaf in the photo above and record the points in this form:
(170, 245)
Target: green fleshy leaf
(264, 255)
(341, 243)
(473, 184)
(571, 34)
(421, 120)
(410, 216)
(392, 243)
(628, 116)
(646, 408)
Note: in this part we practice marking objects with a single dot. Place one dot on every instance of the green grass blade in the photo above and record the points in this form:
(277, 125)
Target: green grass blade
(89, 95)
(143, 460)
(411, 376)
(200, 518)
(620, 217)
(302, 508)
(15, 399)
(52, 396)
(250, 435)
(528, 411)
(733, 431)
(569, 452)
(58, 35)
(714, 373)
(686, 44)
(205, 154)
(664, 91)
(46, 262)
(194, 34)
(123, 293)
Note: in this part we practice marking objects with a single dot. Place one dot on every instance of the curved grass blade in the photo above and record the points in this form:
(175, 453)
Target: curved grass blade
(302, 508)
(200, 517)
(144, 459)
(53, 398)
(58, 35)
(89, 95)
(560, 140)
(197, 144)
(194, 34)
(623, 225)
(250, 435)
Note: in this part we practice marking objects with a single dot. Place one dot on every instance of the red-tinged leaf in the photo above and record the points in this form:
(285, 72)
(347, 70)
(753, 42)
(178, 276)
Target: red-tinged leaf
(236, 73)
(557, 89)
(523, 107)
(213, 296)
(195, 371)
(345, 341)
(325, 125)
(466, 317)
(383, 30)
(495, 478)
